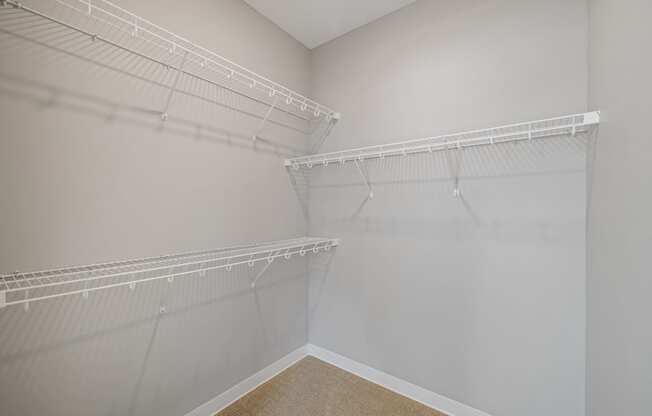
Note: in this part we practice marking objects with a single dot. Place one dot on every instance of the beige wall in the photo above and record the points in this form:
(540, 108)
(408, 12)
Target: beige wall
(442, 292)
(619, 338)
(87, 179)
(481, 299)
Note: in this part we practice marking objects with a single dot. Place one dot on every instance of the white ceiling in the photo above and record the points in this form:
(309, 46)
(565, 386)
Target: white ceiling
(315, 22)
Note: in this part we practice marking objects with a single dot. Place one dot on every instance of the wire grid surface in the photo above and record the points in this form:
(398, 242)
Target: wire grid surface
(19, 288)
(172, 66)
(554, 127)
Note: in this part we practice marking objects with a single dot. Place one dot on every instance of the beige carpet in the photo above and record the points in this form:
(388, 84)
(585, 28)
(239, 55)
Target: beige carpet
(314, 388)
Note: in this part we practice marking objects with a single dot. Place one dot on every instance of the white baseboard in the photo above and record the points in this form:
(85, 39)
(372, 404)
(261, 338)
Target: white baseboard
(222, 401)
(395, 384)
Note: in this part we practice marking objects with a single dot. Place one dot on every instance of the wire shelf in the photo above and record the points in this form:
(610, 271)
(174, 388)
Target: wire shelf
(23, 288)
(173, 64)
(570, 125)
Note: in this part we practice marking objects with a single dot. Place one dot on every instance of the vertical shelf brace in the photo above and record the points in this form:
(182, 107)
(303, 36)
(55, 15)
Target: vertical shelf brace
(365, 177)
(256, 135)
(260, 274)
(173, 88)
(331, 123)
(455, 166)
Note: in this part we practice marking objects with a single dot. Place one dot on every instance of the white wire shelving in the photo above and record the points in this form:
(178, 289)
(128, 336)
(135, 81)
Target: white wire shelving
(570, 125)
(61, 23)
(25, 288)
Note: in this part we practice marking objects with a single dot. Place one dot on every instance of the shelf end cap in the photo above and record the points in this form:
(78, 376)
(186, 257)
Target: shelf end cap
(592, 117)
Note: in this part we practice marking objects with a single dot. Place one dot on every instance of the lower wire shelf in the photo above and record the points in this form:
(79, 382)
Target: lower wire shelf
(23, 288)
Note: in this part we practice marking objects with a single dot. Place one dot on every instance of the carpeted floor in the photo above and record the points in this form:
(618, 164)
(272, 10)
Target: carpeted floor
(314, 388)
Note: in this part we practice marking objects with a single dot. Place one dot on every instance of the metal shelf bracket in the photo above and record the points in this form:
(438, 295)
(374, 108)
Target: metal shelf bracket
(260, 274)
(327, 131)
(454, 158)
(263, 122)
(365, 177)
(173, 88)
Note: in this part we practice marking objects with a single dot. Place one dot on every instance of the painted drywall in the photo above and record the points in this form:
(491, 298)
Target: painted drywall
(480, 299)
(86, 178)
(619, 376)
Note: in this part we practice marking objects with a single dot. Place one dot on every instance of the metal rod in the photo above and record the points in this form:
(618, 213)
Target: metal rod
(514, 132)
(173, 88)
(454, 166)
(327, 132)
(264, 120)
(98, 37)
(366, 180)
(260, 274)
(269, 257)
(159, 268)
(147, 260)
(150, 279)
(203, 54)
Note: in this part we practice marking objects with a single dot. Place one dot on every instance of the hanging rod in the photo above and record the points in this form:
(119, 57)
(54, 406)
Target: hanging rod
(24, 288)
(144, 30)
(533, 130)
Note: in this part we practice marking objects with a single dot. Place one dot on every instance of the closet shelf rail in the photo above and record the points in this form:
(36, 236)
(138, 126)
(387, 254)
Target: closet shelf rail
(570, 125)
(93, 18)
(23, 288)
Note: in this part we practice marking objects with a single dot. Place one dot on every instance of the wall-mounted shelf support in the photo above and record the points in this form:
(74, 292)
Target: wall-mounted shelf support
(256, 135)
(260, 274)
(327, 131)
(365, 178)
(173, 88)
(454, 159)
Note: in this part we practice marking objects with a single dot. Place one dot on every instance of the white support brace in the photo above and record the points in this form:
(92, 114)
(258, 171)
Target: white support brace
(365, 177)
(260, 274)
(3, 299)
(256, 135)
(331, 123)
(455, 167)
(164, 114)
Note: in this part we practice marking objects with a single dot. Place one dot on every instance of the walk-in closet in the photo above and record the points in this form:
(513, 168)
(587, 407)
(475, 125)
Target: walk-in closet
(325, 208)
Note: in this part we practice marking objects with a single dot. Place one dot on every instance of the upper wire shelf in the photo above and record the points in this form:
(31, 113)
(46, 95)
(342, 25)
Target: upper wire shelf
(24, 288)
(533, 130)
(187, 64)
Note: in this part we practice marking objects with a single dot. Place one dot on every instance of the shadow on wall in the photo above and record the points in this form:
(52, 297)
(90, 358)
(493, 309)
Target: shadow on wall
(318, 273)
(420, 194)
(54, 66)
(50, 97)
(122, 352)
(477, 283)
(300, 180)
(114, 352)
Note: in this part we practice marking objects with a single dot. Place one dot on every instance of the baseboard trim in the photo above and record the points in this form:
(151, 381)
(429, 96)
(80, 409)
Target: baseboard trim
(395, 384)
(233, 394)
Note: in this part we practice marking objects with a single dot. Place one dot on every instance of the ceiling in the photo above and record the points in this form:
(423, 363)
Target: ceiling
(315, 22)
